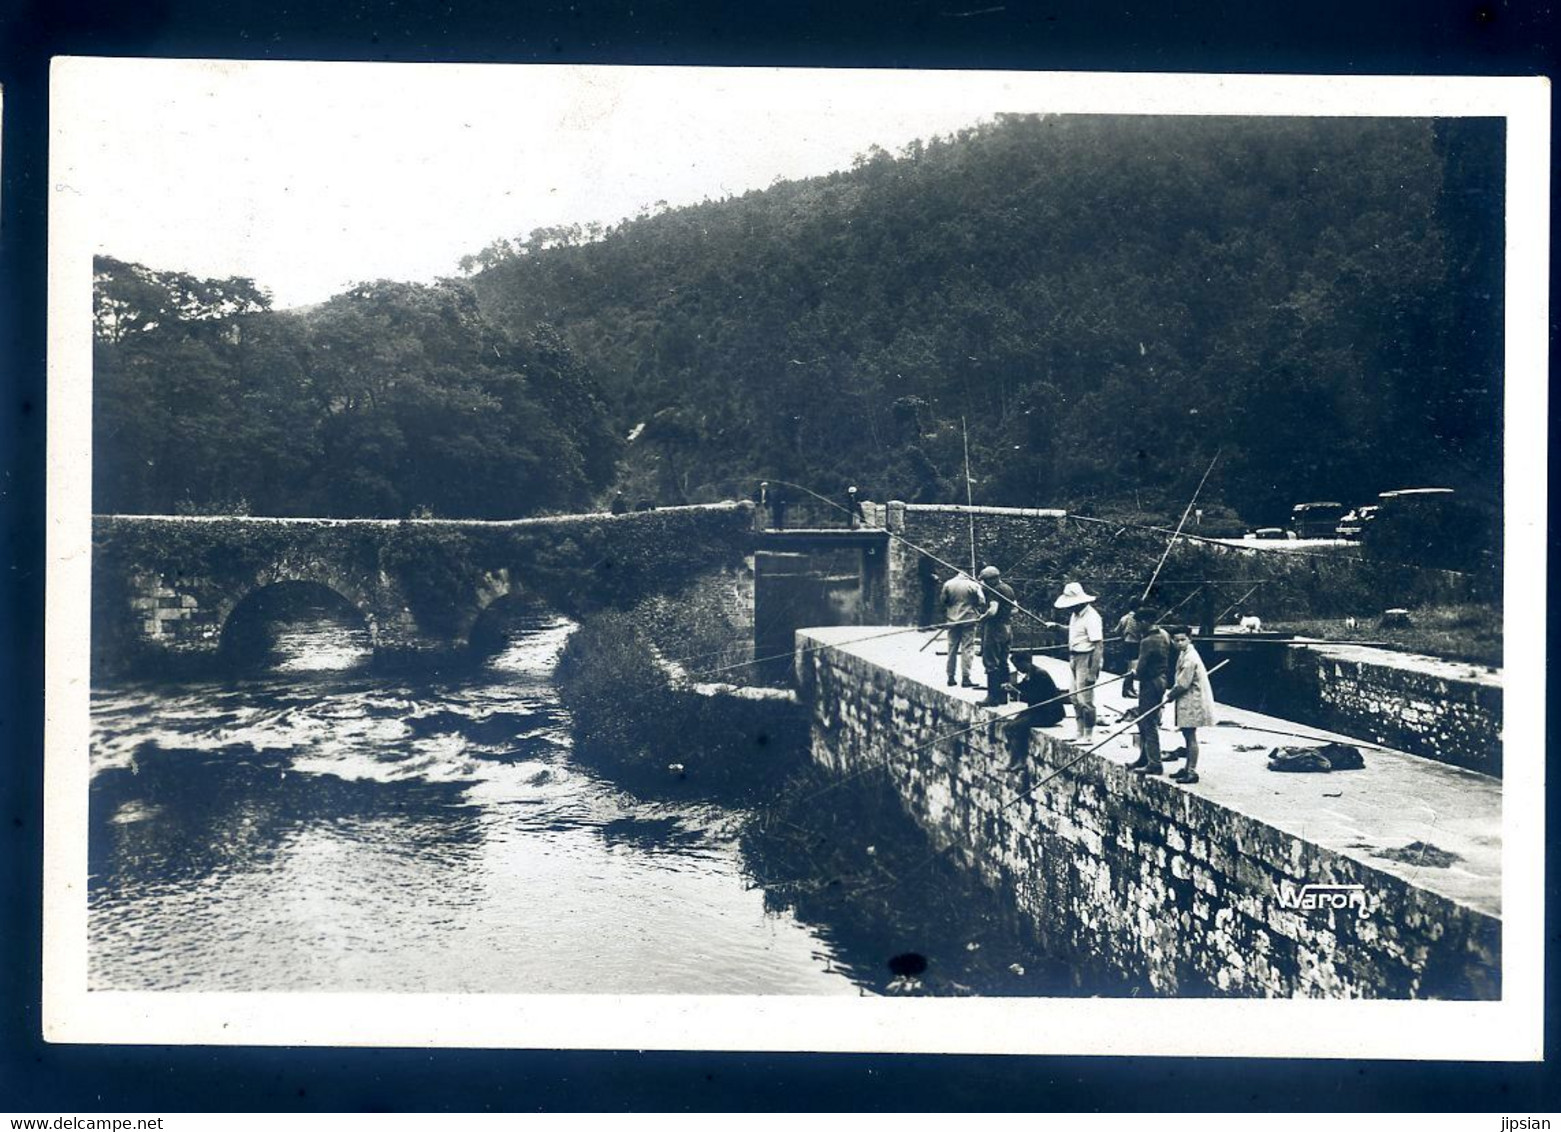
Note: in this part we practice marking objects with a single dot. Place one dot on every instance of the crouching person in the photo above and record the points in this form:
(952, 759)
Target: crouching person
(1035, 687)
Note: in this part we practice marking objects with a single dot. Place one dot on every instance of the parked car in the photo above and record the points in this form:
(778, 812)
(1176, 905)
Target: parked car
(1353, 524)
(1316, 520)
(1434, 526)
(1270, 533)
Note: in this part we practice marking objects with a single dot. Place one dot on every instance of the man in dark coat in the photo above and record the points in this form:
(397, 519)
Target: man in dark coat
(854, 511)
(1154, 672)
(996, 634)
(1035, 687)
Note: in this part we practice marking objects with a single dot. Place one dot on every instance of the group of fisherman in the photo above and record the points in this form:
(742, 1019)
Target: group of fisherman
(1163, 668)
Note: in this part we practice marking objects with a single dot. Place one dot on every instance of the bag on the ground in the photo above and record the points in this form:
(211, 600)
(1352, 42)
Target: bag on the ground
(1315, 760)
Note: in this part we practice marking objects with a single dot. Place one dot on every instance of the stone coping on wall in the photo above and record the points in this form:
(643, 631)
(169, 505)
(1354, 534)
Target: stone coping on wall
(1462, 672)
(1396, 801)
(531, 521)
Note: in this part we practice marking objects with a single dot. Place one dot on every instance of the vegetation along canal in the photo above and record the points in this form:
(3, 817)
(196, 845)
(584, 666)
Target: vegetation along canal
(318, 825)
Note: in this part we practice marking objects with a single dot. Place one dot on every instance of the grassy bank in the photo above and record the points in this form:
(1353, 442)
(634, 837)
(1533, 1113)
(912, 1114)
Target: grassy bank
(1467, 632)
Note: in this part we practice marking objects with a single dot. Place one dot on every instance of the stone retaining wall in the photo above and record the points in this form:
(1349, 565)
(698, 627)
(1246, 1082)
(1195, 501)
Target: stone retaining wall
(1138, 882)
(1443, 711)
(1437, 709)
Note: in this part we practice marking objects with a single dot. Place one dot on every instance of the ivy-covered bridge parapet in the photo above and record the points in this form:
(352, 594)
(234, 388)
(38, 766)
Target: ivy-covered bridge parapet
(164, 587)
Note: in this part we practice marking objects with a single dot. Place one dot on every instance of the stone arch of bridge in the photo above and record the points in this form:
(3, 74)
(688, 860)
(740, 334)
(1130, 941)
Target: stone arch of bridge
(497, 593)
(348, 589)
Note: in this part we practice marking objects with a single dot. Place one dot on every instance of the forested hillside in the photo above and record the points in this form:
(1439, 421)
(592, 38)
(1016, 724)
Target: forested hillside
(1107, 301)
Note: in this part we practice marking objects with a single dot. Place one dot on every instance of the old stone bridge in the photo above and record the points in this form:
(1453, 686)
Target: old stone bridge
(168, 591)
(166, 588)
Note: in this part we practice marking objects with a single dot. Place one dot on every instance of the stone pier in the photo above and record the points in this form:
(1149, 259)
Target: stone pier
(1210, 889)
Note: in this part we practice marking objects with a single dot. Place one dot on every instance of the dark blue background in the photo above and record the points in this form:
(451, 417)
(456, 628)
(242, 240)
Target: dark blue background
(1321, 36)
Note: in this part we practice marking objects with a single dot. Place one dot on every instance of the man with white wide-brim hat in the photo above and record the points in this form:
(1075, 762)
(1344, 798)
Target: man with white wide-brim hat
(1086, 650)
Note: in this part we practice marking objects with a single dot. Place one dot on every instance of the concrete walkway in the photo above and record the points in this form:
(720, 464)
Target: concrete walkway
(1396, 801)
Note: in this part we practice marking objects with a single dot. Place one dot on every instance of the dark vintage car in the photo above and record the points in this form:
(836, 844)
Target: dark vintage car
(1316, 520)
(1434, 526)
(1353, 524)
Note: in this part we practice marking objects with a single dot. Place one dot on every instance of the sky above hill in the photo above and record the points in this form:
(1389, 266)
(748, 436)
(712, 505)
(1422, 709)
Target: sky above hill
(310, 177)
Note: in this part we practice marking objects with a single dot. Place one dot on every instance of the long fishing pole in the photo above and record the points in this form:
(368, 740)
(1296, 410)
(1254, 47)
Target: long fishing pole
(1185, 512)
(813, 648)
(1119, 731)
(1324, 738)
(1166, 616)
(969, 499)
(918, 549)
(1235, 604)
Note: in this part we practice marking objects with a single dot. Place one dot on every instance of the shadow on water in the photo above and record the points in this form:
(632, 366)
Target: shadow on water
(905, 919)
(179, 816)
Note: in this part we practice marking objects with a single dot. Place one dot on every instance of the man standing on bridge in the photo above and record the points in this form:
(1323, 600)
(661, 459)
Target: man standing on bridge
(1086, 651)
(996, 634)
(962, 602)
(1153, 666)
(1193, 696)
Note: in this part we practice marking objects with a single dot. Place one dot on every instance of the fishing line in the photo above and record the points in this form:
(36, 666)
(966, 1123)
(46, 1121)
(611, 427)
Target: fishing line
(813, 648)
(1324, 738)
(1235, 603)
(1166, 616)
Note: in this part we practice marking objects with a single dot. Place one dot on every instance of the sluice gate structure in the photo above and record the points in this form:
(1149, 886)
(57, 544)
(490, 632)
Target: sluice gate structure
(1383, 882)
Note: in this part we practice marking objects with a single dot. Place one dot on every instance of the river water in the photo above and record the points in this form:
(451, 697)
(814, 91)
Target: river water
(317, 827)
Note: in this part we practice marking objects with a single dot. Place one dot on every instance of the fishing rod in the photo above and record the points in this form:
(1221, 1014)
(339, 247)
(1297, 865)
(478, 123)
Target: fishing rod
(884, 762)
(1235, 604)
(918, 549)
(969, 499)
(1324, 738)
(1185, 512)
(814, 648)
(1166, 699)
(1166, 616)
(679, 676)
(1237, 544)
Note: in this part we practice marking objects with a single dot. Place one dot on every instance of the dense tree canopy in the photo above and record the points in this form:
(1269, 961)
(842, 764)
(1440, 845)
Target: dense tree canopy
(388, 400)
(1106, 301)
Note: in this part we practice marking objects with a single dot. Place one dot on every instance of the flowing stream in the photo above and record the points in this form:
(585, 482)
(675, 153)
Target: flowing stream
(321, 827)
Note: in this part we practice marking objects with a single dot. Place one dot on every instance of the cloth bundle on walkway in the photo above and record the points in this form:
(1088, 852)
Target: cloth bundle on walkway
(1316, 760)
